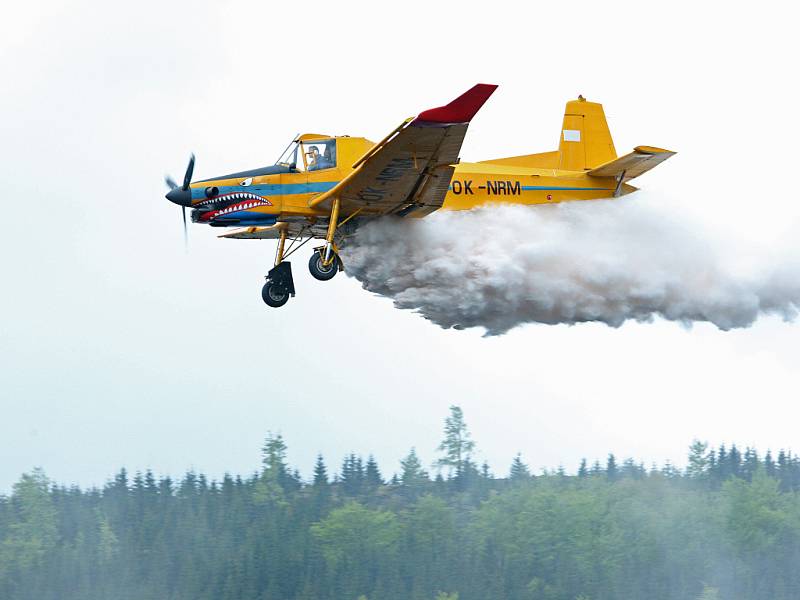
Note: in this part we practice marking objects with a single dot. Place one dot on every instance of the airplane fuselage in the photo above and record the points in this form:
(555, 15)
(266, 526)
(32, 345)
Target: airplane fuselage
(264, 199)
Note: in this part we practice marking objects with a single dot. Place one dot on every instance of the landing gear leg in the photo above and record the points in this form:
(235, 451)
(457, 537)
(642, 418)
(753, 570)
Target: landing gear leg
(325, 262)
(280, 284)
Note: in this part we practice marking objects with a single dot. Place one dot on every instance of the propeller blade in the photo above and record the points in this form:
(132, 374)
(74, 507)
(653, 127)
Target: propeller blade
(185, 230)
(187, 179)
(170, 182)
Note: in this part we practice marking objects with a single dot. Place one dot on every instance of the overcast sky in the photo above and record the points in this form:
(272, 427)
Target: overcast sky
(118, 348)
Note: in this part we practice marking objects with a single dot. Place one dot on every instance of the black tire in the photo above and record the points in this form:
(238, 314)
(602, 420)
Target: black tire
(320, 271)
(274, 295)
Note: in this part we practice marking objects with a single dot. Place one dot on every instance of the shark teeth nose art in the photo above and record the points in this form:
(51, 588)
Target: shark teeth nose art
(234, 197)
(251, 201)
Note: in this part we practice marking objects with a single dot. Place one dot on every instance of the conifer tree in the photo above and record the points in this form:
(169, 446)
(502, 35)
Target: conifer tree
(735, 461)
(769, 464)
(612, 472)
(352, 475)
(698, 460)
(750, 463)
(273, 459)
(412, 473)
(519, 470)
(457, 445)
(372, 475)
(320, 472)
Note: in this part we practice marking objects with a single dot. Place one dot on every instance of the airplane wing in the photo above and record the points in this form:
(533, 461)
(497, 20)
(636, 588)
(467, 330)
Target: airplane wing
(273, 232)
(641, 160)
(409, 171)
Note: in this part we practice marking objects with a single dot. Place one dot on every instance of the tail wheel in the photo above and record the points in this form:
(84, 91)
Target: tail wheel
(274, 295)
(321, 271)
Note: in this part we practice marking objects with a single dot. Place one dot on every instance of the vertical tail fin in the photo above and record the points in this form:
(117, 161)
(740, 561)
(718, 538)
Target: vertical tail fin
(585, 139)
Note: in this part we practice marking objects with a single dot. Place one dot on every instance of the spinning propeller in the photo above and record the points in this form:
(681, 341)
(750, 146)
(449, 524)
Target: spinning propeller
(181, 195)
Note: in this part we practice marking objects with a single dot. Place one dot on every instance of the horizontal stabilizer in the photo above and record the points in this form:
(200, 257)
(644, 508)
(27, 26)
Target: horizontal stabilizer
(642, 159)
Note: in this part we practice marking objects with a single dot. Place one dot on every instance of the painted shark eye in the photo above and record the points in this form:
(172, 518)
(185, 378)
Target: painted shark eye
(247, 182)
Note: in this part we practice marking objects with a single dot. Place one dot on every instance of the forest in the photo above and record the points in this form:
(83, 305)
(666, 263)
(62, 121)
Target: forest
(725, 527)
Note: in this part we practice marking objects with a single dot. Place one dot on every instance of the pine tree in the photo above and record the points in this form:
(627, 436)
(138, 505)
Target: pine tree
(320, 472)
(723, 467)
(468, 475)
(352, 475)
(273, 458)
(631, 470)
(519, 470)
(713, 468)
(457, 444)
(412, 476)
(372, 475)
(698, 460)
(735, 461)
(612, 473)
(769, 464)
(784, 470)
(583, 469)
(750, 464)
(412, 472)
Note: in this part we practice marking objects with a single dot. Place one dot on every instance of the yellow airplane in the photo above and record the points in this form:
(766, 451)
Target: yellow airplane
(324, 187)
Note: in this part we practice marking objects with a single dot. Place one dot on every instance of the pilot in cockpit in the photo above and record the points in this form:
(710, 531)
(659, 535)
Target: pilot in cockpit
(318, 161)
(313, 158)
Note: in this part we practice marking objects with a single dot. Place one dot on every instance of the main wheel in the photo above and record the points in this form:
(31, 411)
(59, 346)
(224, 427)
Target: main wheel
(321, 271)
(274, 295)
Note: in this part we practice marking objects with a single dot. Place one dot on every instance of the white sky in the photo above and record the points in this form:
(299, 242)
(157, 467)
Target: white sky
(119, 349)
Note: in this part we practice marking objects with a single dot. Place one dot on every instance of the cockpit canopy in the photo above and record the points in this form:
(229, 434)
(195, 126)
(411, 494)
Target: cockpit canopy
(309, 152)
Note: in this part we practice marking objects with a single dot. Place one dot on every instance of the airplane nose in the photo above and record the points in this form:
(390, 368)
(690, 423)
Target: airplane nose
(180, 196)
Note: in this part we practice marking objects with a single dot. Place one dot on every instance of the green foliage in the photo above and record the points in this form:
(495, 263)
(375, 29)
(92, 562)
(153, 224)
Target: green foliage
(32, 526)
(698, 460)
(457, 444)
(107, 543)
(273, 455)
(354, 533)
(727, 527)
(519, 470)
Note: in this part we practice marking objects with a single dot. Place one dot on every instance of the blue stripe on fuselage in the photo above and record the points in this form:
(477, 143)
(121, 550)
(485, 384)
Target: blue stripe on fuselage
(246, 218)
(548, 187)
(270, 189)
(552, 188)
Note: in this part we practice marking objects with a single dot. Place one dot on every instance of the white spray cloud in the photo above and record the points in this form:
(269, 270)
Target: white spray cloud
(501, 266)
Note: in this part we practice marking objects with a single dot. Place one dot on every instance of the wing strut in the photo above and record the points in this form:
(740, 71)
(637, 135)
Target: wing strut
(618, 189)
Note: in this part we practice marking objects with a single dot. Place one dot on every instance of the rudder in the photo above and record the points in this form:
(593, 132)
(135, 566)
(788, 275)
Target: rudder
(585, 139)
